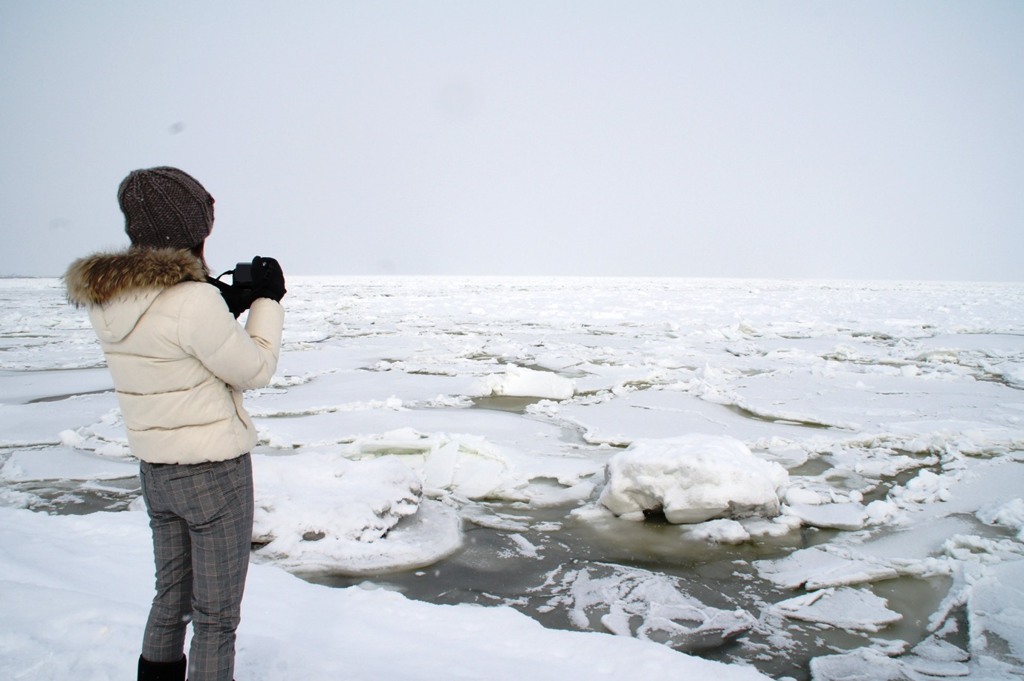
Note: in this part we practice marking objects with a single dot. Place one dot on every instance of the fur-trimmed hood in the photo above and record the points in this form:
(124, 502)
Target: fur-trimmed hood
(100, 278)
(132, 279)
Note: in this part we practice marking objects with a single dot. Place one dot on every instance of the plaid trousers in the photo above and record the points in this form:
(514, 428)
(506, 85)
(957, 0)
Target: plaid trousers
(201, 517)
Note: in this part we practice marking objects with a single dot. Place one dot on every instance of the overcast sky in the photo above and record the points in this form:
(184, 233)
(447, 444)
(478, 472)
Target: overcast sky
(737, 139)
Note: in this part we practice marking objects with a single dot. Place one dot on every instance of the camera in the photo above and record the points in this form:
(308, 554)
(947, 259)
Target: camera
(239, 293)
(241, 276)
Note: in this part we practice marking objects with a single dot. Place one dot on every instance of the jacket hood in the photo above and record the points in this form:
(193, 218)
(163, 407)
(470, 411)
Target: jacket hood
(133, 279)
(100, 278)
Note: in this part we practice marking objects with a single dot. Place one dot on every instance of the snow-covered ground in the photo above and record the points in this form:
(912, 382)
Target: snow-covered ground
(691, 478)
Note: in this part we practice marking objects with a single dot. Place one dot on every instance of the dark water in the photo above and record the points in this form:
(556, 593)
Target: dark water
(73, 497)
(492, 569)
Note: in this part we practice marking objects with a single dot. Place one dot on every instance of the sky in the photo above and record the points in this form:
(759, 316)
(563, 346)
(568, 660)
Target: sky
(797, 139)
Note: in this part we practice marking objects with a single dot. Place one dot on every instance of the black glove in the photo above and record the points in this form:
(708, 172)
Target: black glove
(267, 279)
(238, 299)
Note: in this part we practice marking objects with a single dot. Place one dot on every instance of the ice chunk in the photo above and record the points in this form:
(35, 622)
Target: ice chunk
(691, 479)
(522, 382)
(800, 495)
(721, 531)
(844, 608)
(863, 664)
(818, 567)
(645, 605)
(1010, 514)
(466, 465)
(995, 610)
(931, 659)
(318, 512)
(849, 516)
(63, 463)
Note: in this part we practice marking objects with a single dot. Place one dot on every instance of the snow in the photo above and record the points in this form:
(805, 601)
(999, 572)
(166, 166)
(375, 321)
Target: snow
(840, 466)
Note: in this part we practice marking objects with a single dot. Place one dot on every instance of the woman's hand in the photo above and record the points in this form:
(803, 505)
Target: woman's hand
(267, 279)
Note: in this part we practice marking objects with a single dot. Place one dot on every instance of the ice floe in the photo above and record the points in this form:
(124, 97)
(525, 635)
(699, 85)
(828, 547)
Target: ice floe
(692, 478)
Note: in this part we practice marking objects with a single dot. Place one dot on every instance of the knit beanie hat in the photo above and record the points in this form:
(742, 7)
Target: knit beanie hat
(165, 208)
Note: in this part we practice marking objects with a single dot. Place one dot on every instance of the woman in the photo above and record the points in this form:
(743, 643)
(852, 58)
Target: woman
(180, 361)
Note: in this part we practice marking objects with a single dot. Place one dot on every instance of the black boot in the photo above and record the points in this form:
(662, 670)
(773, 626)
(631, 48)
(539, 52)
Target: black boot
(161, 671)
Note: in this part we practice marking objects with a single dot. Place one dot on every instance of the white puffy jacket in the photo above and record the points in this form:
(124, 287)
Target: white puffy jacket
(178, 357)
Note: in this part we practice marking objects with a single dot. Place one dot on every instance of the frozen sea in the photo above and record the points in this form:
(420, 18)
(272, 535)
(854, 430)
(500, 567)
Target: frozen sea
(657, 478)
